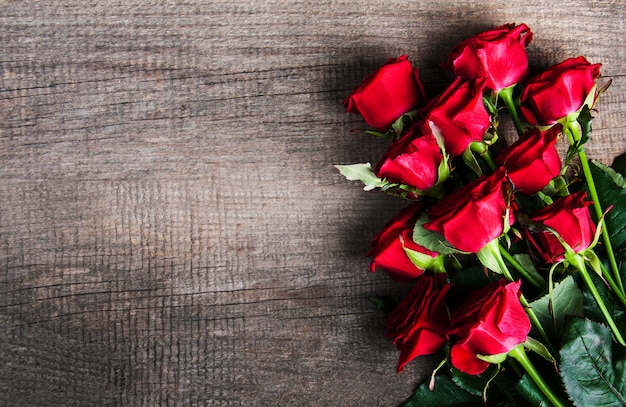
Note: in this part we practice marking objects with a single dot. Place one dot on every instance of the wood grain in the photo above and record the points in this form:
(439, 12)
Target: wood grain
(172, 231)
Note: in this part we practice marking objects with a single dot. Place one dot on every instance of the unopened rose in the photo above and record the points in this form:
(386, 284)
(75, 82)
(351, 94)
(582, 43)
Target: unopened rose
(533, 160)
(498, 55)
(472, 216)
(460, 114)
(385, 95)
(491, 321)
(418, 324)
(388, 246)
(414, 159)
(559, 91)
(570, 218)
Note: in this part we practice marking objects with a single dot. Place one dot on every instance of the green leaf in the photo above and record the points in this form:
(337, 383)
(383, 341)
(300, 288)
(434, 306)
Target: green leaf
(433, 241)
(616, 177)
(468, 279)
(612, 191)
(590, 374)
(361, 172)
(505, 384)
(552, 310)
(398, 126)
(473, 384)
(531, 393)
(490, 257)
(615, 308)
(376, 133)
(619, 164)
(445, 394)
(499, 385)
(527, 262)
(585, 118)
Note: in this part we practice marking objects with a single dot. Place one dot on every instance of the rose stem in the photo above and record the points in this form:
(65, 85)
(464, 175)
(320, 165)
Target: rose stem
(507, 96)
(519, 354)
(531, 313)
(609, 279)
(574, 131)
(605, 233)
(539, 327)
(578, 262)
(532, 277)
(482, 149)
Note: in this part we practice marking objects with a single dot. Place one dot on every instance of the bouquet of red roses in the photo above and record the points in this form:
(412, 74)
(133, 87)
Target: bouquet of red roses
(516, 255)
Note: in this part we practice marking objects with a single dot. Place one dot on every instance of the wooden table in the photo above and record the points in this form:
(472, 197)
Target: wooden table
(172, 230)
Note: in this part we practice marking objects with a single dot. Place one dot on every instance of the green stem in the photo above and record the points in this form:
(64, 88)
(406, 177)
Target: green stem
(613, 285)
(574, 136)
(482, 149)
(579, 264)
(537, 324)
(598, 209)
(529, 311)
(507, 97)
(489, 159)
(532, 277)
(519, 354)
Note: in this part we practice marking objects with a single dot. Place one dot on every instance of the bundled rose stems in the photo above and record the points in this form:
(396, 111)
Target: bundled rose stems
(515, 255)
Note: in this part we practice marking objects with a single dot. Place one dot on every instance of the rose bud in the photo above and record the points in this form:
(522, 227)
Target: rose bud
(460, 114)
(414, 160)
(533, 160)
(498, 55)
(570, 218)
(491, 321)
(418, 324)
(472, 216)
(385, 95)
(388, 246)
(561, 90)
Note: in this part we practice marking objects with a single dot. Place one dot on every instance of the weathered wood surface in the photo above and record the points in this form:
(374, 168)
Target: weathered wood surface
(172, 231)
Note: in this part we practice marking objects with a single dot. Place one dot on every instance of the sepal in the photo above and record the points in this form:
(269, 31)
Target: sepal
(421, 260)
(539, 348)
(397, 128)
(489, 256)
(493, 359)
(470, 160)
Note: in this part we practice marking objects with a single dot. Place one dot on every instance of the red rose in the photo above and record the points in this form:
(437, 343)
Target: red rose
(570, 218)
(472, 216)
(490, 322)
(393, 90)
(560, 90)
(498, 55)
(387, 247)
(414, 159)
(533, 160)
(418, 324)
(460, 114)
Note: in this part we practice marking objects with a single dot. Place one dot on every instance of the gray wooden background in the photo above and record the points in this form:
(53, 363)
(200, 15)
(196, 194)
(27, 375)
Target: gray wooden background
(172, 231)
